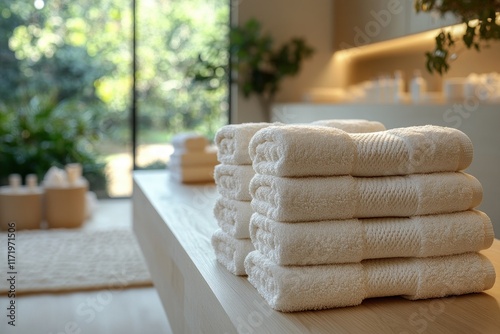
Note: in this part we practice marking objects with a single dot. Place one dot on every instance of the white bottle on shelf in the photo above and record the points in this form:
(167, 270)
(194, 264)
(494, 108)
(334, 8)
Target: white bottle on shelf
(383, 89)
(399, 82)
(399, 87)
(418, 87)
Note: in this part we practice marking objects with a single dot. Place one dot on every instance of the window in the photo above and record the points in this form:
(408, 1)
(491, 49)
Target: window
(67, 84)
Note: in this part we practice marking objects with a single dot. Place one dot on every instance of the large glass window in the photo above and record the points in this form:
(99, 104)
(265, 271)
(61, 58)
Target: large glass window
(66, 83)
(171, 35)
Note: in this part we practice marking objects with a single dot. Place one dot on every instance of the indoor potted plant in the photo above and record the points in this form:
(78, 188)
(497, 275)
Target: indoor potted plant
(259, 67)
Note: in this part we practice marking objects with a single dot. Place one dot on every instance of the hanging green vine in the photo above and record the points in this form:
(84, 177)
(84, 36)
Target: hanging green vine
(482, 24)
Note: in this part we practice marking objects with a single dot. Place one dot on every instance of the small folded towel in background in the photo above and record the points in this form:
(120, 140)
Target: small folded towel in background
(352, 125)
(301, 288)
(306, 150)
(192, 174)
(188, 141)
(354, 240)
(233, 217)
(231, 252)
(192, 159)
(232, 142)
(345, 197)
(233, 181)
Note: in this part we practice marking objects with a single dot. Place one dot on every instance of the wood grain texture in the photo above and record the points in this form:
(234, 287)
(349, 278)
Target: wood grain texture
(174, 223)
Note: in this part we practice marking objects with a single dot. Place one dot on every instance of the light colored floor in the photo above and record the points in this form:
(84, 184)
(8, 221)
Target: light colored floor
(127, 311)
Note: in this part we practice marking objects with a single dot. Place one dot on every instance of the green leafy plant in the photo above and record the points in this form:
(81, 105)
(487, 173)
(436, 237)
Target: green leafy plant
(45, 133)
(260, 67)
(482, 24)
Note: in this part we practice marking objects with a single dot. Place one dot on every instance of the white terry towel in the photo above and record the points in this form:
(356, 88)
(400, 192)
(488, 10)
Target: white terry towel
(233, 181)
(192, 174)
(232, 142)
(198, 158)
(231, 252)
(233, 217)
(352, 125)
(305, 150)
(301, 288)
(354, 240)
(189, 141)
(344, 197)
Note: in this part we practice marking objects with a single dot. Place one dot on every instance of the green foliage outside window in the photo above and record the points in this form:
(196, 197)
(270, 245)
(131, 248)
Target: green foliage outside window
(44, 133)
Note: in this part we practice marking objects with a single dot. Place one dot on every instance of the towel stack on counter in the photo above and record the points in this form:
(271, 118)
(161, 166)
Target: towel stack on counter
(233, 210)
(342, 217)
(193, 160)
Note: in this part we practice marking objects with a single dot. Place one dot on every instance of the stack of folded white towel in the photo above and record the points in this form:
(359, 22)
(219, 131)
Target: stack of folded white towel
(342, 217)
(233, 210)
(193, 160)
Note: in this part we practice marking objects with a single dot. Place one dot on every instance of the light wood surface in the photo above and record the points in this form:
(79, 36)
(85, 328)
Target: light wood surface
(174, 223)
(128, 311)
(119, 311)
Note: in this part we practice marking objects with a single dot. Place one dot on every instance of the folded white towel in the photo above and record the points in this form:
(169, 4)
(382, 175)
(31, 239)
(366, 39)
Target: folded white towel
(305, 150)
(233, 181)
(233, 217)
(354, 240)
(232, 142)
(344, 197)
(192, 174)
(300, 288)
(352, 125)
(231, 252)
(207, 157)
(189, 141)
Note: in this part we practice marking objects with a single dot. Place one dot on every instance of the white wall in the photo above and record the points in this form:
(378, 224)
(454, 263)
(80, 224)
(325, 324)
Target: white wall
(284, 19)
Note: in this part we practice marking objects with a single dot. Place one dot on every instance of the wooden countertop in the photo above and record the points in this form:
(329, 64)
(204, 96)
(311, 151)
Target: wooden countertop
(174, 223)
